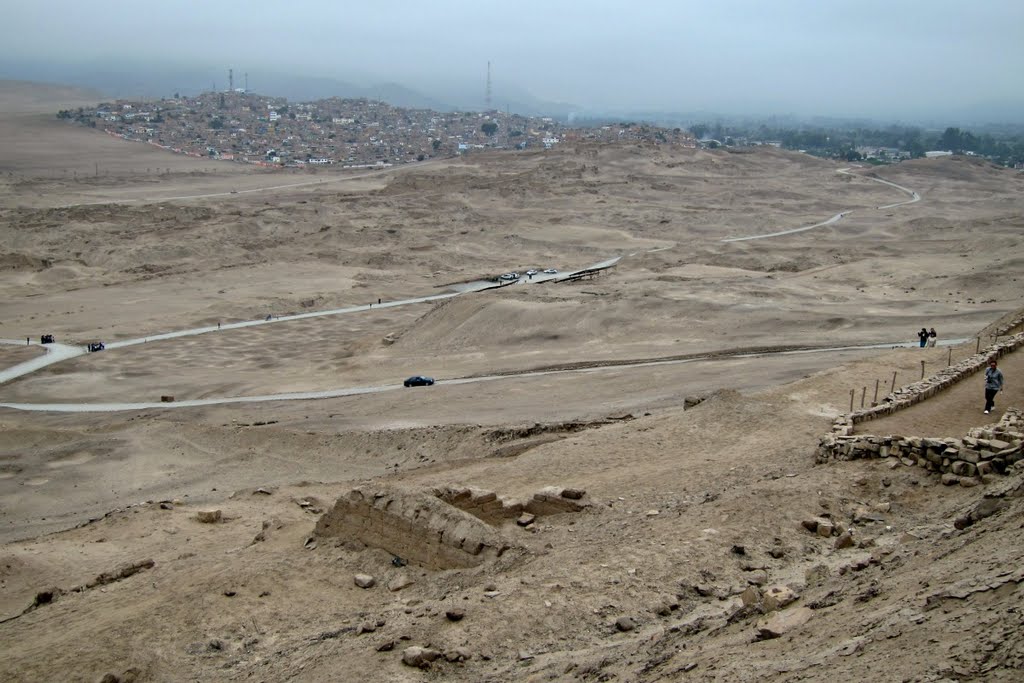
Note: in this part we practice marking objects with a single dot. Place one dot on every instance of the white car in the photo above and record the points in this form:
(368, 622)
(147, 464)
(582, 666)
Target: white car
(510, 276)
(550, 271)
(531, 272)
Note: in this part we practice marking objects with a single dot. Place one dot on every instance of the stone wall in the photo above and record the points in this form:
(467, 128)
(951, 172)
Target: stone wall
(967, 461)
(904, 397)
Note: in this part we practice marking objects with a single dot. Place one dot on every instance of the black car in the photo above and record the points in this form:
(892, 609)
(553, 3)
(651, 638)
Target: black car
(419, 381)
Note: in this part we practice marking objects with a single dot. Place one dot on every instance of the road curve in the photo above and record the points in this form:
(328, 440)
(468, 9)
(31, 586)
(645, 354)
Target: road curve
(914, 197)
(56, 352)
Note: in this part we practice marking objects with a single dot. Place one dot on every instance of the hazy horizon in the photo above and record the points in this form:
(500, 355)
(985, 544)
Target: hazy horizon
(908, 60)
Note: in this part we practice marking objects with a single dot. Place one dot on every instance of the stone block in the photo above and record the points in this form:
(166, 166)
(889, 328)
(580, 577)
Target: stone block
(781, 623)
(209, 516)
(963, 469)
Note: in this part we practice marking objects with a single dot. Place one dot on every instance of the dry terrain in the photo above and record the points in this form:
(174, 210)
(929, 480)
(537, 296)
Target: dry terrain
(587, 385)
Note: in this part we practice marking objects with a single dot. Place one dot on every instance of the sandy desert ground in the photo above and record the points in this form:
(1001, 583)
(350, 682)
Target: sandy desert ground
(584, 384)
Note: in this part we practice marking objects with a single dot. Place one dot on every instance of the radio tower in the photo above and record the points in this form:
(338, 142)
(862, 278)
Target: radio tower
(246, 81)
(487, 93)
(231, 80)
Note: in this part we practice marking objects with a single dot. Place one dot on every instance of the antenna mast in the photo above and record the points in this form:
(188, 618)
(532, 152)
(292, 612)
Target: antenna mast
(487, 93)
(231, 80)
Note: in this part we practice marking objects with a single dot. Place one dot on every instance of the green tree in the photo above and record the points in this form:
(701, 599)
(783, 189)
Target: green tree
(436, 144)
(489, 128)
(952, 139)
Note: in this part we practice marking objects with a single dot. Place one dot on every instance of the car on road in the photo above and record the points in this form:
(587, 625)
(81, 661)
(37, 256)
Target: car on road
(550, 271)
(531, 272)
(419, 381)
(509, 276)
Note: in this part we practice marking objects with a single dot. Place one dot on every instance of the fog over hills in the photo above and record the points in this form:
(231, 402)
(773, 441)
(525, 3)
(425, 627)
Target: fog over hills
(913, 61)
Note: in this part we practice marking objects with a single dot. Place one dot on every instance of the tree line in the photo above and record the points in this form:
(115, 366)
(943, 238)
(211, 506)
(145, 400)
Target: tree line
(842, 143)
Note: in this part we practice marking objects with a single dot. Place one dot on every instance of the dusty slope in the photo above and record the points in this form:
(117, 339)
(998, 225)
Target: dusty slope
(734, 472)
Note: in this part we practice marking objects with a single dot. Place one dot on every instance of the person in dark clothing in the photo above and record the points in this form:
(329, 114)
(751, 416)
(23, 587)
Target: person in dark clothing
(923, 337)
(993, 384)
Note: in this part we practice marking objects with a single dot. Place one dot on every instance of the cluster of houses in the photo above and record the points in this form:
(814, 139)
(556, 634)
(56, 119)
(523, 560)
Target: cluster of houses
(353, 133)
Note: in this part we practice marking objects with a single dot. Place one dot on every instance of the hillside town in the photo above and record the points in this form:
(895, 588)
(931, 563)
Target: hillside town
(351, 133)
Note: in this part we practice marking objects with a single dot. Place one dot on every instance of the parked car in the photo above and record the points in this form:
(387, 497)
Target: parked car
(419, 381)
(96, 346)
(550, 271)
(510, 276)
(531, 272)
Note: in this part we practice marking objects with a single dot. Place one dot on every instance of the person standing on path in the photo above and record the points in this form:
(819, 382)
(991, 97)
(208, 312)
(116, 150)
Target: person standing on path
(933, 337)
(922, 337)
(993, 384)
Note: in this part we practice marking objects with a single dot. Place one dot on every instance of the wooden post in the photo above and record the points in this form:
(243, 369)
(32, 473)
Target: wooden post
(922, 369)
(893, 387)
(949, 360)
(863, 391)
(852, 392)
(875, 401)
(977, 347)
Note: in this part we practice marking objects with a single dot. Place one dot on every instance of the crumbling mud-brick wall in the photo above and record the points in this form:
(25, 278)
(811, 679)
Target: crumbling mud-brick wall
(415, 526)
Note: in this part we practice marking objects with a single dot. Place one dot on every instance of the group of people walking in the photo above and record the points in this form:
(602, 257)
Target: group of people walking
(927, 337)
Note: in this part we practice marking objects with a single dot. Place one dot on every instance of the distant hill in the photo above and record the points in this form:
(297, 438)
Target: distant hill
(25, 97)
(117, 79)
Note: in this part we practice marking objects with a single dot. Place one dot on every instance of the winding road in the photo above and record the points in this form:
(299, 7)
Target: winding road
(914, 197)
(58, 352)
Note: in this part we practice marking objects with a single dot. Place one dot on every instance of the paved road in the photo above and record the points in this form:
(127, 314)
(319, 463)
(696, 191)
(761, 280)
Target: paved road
(356, 391)
(914, 197)
(269, 188)
(57, 352)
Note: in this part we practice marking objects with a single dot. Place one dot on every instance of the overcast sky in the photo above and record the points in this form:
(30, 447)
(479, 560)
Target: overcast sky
(858, 57)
